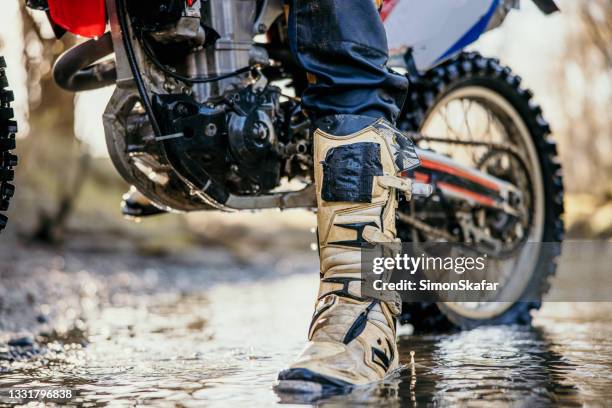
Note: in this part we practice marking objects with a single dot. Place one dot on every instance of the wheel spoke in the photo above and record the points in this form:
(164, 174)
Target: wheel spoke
(489, 140)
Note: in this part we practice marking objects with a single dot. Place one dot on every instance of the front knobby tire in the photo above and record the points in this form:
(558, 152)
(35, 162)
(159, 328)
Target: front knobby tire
(8, 160)
(469, 70)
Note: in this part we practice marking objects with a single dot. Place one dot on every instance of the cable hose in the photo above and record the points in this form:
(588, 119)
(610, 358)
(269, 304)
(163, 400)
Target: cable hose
(197, 80)
(127, 44)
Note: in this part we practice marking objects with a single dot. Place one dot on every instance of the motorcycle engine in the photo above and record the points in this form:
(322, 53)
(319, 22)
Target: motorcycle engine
(233, 141)
(221, 121)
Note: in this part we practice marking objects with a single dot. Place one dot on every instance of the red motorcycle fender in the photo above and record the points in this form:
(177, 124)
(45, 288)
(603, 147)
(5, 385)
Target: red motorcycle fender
(86, 18)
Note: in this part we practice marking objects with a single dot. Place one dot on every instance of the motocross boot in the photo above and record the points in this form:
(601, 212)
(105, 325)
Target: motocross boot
(351, 337)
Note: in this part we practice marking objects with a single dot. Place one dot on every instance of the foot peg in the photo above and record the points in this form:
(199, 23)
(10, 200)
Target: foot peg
(136, 205)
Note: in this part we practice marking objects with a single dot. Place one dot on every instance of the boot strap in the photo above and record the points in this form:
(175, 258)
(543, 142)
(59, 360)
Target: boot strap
(376, 236)
(350, 287)
(346, 286)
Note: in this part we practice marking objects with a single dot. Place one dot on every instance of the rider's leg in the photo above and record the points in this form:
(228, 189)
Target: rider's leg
(343, 47)
(352, 99)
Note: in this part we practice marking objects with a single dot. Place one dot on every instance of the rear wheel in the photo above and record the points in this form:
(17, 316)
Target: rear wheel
(472, 98)
(8, 160)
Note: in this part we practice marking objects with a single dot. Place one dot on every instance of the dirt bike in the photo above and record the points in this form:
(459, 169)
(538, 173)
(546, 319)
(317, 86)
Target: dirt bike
(204, 117)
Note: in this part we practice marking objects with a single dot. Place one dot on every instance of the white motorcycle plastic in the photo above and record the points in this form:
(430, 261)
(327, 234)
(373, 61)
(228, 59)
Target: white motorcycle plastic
(435, 30)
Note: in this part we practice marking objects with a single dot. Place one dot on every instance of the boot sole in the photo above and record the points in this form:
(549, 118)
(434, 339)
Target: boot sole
(305, 381)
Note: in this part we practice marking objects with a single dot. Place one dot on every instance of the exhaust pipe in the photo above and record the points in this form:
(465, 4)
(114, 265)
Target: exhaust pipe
(76, 69)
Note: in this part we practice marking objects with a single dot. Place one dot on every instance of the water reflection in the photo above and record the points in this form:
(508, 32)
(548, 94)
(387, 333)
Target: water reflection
(488, 366)
(493, 366)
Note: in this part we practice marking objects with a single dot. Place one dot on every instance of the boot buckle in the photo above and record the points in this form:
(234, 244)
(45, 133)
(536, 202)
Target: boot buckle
(405, 185)
(375, 236)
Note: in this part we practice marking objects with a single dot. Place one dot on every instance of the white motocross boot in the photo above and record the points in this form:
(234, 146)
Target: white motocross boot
(352, 338)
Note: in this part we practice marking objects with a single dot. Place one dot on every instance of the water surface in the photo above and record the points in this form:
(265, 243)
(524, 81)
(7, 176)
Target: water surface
(220, 340)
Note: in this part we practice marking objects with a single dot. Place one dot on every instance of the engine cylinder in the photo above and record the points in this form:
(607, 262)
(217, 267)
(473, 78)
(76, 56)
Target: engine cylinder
(232, 20)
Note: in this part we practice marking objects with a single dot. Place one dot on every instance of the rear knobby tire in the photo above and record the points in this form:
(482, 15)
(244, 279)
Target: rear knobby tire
(8, 160)
(468, 70)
